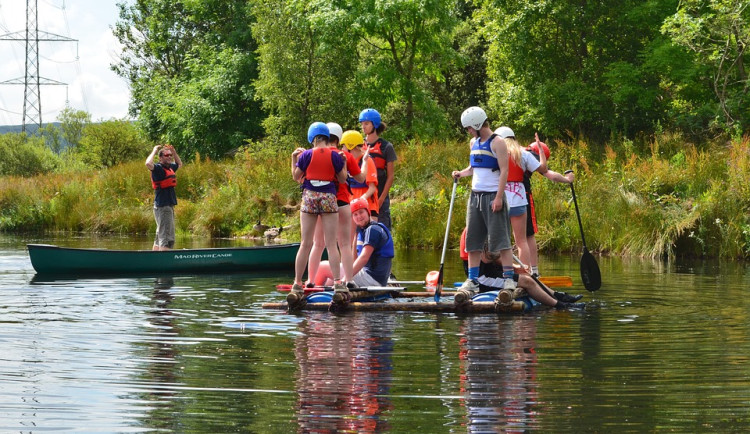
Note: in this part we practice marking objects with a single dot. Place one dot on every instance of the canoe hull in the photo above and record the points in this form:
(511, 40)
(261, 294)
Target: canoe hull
(49, 259)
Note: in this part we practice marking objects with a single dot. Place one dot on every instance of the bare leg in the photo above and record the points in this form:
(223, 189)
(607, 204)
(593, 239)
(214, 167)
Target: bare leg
(316, 252)
(535, 291)
(519, 235)
(330, 229)
(344, 241)
(533, 253)
(307, 229)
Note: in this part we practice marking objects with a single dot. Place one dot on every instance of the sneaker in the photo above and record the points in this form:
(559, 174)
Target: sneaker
(567, 298)
(296, 297)
(310, 285)
(351, 285)
(509, 284)
(563, 305)
(466, 292)
(341, 293)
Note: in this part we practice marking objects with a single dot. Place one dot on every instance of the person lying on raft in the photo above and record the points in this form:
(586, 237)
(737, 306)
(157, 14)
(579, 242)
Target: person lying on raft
(375, 250)
(491, 279)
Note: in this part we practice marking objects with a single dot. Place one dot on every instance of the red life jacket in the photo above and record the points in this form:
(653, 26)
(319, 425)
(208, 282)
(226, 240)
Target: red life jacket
(321, 165)
(515, 173)
(377, 155)
(169, 181)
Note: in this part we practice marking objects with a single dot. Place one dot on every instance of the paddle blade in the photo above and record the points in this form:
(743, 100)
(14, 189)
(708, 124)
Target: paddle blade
(590, 275)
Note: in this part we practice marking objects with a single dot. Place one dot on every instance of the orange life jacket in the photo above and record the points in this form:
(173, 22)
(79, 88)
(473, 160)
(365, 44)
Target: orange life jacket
(169, 181)
(377, 155)
(321, 165)
(515, 173)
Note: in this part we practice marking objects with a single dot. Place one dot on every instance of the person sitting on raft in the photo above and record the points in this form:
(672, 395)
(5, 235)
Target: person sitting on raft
(375, 250)
(491, 279)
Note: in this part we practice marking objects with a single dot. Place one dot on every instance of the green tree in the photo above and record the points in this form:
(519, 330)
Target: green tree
(718, 32)
(23, 155)
(574, 65)
(307, 59)
(407, 48)
(72, 123)
(110, 143)
(191, 66)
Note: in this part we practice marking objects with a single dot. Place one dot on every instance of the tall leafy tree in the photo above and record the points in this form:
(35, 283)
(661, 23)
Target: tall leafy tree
(718, 32)
(191, 66)
(307, 56)
(573, 65)
(407, 47)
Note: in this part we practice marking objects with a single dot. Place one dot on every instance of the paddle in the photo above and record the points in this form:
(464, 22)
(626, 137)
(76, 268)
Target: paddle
(592, 278)
(536, 279)
(439, 286)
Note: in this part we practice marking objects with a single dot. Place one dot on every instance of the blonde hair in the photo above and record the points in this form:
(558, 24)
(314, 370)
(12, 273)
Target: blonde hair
(514, 149)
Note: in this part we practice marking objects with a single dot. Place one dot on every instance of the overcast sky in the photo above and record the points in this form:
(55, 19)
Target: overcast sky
(84, 66)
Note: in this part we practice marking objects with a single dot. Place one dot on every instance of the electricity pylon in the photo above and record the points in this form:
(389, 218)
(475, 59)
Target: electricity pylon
(32, 104)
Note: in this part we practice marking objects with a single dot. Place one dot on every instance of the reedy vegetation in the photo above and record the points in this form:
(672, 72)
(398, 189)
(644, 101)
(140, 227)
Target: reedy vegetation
(669, 198)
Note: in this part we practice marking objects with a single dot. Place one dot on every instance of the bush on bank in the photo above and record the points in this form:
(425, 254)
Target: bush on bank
(670, 198)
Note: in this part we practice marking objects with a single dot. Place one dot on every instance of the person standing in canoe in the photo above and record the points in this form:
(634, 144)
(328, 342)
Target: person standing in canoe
(317, 169)
(384, 156)
(375, 250)
(164, 180)
(487, 210)
(345, 226)
(540, 151)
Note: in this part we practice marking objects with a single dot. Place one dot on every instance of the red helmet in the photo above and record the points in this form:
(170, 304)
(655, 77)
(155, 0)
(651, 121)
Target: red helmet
(534, 148)
(358, 204)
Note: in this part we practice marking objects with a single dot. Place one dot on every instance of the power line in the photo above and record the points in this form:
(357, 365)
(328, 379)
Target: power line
(32, 81)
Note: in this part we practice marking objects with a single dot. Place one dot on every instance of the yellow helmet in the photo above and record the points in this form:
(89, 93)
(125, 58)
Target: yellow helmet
(351, 139)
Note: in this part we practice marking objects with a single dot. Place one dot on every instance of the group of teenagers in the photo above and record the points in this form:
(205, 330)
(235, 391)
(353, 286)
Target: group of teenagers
(501, 204)
(345, 177)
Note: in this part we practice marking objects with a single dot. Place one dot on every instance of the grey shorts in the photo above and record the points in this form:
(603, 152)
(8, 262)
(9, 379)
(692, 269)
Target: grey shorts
(165, 229)
(484, 226)
(362, 279)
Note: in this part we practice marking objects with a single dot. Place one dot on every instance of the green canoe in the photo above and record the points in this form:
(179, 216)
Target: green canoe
(49, 259)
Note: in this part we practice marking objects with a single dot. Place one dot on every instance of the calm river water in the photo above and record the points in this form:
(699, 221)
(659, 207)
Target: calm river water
(661, 347)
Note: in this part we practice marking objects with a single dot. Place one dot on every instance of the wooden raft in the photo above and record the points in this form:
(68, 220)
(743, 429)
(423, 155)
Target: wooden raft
(405, 306)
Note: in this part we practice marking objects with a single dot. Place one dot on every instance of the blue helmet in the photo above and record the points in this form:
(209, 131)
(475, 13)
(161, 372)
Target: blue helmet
(370, 114)
(317, 129)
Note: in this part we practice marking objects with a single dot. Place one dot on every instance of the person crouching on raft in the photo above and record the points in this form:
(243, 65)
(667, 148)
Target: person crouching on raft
(375, 250)
(345, 226)
(317, 169)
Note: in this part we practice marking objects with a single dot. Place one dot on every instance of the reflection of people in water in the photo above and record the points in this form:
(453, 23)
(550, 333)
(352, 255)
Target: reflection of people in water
(498, 372)
(344, 373)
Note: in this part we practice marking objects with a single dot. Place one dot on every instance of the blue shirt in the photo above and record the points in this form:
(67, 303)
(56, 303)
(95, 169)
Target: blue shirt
(379, 264)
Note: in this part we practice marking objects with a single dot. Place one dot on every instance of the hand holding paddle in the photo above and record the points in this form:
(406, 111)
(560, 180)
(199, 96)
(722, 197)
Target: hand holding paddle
(592, 278)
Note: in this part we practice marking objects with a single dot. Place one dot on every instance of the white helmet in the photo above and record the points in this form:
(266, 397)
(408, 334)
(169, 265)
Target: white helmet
(473, 117)
(335, 129)
(505, 132)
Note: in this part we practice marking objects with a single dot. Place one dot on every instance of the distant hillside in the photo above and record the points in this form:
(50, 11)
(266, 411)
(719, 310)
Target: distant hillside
(4, 129)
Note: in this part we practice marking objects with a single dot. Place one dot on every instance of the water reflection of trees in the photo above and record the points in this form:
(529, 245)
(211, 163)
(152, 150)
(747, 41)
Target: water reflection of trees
(498, 374)
(345, 373)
